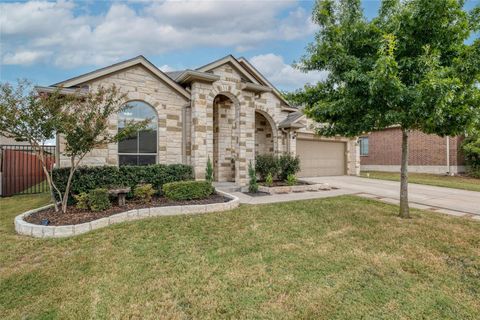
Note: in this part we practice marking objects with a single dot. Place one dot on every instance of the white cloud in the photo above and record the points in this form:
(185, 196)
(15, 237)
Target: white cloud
(74, 38)
(283, 75)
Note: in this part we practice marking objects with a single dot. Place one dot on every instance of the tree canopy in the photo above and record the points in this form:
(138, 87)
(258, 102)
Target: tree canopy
(411, 66)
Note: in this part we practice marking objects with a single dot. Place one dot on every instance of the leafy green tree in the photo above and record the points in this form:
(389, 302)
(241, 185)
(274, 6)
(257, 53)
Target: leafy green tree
(471, 149)
(84, 126)
(27, 116)
(409, 67)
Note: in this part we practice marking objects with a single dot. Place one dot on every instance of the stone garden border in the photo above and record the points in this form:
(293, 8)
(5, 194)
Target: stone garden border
(308, 186)
(38, 231)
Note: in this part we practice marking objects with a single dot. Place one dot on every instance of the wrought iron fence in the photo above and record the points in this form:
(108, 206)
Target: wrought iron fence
(21, 171)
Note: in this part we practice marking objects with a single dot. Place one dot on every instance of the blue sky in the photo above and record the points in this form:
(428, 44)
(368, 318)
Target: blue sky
(51, 41)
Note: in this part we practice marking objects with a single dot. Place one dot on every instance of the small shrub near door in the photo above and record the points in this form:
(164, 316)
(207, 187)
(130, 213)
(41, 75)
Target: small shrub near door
(266, 164)
(252, 183)
(188, 190)
(98, 199)
(288, 165)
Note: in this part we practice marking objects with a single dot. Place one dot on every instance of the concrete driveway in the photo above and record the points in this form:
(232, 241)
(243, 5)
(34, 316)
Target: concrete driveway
(446, 200)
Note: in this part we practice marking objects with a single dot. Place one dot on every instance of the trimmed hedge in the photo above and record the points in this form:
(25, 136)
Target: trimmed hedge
(188, 190)
(89, 178)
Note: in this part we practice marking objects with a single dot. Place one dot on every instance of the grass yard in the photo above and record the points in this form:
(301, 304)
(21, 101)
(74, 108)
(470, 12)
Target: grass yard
(456, 182)
(337, 258)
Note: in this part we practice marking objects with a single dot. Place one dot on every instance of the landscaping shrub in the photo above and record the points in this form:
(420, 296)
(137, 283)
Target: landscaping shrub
(291, 180)
(209, 171)
(98, 199)
(252, 183)
(144, 192)
(269, 180)
(187, 190)
(82, 200)
(266, 164)
(471, 149)
(288, 165)
(89, 178)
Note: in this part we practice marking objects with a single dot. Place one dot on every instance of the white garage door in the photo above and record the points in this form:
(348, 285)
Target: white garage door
(321, 158)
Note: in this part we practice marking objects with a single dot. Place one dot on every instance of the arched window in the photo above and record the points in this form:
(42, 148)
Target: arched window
(141, 147)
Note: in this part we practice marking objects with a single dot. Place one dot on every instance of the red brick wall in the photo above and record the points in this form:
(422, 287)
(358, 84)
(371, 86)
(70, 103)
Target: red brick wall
(425, 149)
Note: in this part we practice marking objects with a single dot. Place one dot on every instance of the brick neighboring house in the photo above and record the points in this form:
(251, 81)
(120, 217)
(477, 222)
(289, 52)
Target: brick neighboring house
(428, 153)
(225, 110)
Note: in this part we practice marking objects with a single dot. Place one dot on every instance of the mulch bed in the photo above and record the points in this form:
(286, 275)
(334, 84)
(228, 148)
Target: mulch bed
(77, 216)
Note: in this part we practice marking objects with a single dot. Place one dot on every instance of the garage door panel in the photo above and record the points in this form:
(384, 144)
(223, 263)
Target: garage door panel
(321, 158)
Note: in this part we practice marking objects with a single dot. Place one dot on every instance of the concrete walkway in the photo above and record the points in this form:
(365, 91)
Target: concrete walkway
(446, 200)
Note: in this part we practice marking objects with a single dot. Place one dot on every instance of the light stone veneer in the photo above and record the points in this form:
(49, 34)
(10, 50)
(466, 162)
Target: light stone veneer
(299, 188)
(38, 231)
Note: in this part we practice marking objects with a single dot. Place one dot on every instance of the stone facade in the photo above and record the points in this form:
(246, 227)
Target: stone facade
(229, 116)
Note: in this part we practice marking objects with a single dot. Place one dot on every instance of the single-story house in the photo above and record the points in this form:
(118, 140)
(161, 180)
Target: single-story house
(226, 110)
(428, 153)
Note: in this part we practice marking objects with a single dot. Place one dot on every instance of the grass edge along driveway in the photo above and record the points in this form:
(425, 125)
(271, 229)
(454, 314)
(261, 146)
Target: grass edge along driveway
(455, 182)
(343, 257)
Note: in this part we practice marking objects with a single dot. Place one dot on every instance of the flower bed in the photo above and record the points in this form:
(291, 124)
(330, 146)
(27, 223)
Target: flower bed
(301, 186)
(159, 207)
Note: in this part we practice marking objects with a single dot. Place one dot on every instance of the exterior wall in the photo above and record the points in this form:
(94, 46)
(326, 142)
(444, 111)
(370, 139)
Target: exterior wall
(427, 152)
(5, 140)
(139, 84)
(352, 155)
(246, 104)
(263, 136)
(224, 139)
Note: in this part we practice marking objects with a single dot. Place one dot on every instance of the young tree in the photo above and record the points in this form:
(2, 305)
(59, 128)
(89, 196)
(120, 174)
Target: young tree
(27, 116)
(409, 67)
(84, 126)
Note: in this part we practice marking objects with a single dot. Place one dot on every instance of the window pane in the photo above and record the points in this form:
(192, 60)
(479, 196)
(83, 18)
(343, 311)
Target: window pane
(146, 160)
(124, 160)
(147, 141)
(128, 145)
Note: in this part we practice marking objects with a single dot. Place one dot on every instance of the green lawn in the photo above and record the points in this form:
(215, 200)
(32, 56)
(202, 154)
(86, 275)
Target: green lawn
(337, 258)
(456, 182)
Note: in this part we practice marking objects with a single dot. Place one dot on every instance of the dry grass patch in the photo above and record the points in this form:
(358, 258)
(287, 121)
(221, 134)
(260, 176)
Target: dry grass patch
(343, 258)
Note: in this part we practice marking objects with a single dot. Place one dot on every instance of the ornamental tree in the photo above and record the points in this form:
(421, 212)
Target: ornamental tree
(84, 126)
(27, 116)
(409, 67)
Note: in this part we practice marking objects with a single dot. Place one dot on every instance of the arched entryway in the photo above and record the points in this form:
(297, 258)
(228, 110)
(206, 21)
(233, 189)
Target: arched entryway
(225, 138)
(265, 134)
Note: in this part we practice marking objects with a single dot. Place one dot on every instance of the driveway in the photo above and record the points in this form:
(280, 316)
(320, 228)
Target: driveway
(446, 200)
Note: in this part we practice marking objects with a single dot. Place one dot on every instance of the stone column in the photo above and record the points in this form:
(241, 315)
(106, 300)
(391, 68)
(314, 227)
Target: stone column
(246, 140)
(201, 142)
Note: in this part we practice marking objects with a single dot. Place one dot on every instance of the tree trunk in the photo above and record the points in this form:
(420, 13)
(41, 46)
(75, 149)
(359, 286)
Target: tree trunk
(404, 209)
(67, 187)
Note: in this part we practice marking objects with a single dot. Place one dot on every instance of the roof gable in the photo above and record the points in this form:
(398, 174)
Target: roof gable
(233, 62)
(140, 60)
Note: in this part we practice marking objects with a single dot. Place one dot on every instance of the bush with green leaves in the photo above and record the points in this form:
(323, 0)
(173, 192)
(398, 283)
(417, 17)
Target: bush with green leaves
(291, 180)
(98, 199)
(471, 150)
(81, 200)
(209, 170)
(269, 180)
(252, 183)
(288, 165)
(89, 178)
(266, 164)
(144, 192)
(188, 190)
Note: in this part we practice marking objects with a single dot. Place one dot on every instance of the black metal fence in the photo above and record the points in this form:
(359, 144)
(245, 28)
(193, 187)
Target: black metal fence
(21, 170)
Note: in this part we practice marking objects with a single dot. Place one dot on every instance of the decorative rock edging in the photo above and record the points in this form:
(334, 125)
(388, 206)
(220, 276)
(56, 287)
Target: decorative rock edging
(39, 231)
(298, 188)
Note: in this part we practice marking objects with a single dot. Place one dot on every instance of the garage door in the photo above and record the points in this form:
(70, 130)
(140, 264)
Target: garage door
(321, 158)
